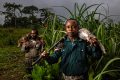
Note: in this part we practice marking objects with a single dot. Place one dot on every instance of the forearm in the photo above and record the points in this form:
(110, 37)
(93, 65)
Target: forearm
(96, 52)
(25, 47)
(53, 58)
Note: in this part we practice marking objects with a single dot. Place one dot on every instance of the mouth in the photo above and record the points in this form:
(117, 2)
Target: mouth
(71, 33)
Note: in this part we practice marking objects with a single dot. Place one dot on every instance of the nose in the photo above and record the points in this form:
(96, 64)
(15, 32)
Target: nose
(71, 28)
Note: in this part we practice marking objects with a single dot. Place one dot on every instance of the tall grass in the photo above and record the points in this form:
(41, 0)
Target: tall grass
(10, 36)
(104, 70)
(52, 33)
(107, 34)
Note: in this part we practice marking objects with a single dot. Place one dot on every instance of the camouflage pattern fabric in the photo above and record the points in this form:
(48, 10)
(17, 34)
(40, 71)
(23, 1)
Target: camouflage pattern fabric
(32, 49)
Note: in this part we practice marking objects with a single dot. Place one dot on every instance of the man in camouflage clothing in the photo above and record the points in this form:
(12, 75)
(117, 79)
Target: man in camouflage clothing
(32, 48)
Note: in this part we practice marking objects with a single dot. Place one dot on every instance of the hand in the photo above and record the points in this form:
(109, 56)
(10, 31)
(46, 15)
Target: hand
(56, 49)
(93, 41)
(44, 54)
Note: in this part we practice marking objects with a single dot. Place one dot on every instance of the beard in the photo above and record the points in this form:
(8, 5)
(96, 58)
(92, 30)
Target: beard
(33, 37)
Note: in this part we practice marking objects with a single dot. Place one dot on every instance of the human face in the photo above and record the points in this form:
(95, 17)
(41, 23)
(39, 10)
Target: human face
(71, 28)
(33, 34)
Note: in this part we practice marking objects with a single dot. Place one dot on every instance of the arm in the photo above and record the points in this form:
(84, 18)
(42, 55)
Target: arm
(51, 59)
(25, 47)
(94, 51)
(40, 45)
(57, 54)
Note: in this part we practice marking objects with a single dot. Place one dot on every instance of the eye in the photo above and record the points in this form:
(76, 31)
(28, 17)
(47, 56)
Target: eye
(75, 26)
(67, 26)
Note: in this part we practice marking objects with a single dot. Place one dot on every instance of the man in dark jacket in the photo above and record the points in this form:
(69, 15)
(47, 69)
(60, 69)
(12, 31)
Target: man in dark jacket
(74, 53)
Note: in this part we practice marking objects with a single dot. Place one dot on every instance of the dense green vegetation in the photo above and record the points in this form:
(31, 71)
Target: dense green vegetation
(12, 60)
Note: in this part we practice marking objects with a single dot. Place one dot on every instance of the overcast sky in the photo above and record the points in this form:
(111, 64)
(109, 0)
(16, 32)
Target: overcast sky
(114, 5)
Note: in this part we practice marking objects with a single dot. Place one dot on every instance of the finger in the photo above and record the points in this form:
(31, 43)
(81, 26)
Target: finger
(43, 51)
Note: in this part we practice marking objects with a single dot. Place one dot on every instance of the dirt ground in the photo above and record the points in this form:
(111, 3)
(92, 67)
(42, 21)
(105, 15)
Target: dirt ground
(13, 68)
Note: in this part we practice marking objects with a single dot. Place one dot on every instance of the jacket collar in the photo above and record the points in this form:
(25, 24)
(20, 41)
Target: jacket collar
(76, 39)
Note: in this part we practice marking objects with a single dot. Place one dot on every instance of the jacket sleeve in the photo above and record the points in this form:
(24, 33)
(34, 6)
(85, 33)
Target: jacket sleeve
(54, 57)
(25, 47)
(94, 51)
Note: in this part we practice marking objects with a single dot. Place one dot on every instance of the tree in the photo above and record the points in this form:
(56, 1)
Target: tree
(10, 13)
(31, 10)
(12, 7)
(45, 15)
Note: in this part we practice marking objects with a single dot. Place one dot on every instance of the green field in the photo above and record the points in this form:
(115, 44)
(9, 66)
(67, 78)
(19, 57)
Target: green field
(12, 60)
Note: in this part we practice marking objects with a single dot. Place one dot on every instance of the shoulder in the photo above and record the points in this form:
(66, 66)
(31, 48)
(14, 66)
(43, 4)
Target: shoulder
(41, 40)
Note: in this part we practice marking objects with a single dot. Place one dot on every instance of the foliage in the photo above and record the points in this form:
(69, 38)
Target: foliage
(54, 31)
(17, 15)
(47, 72)
(107, 33)
(30, 10)
(11, 59)
(104, 71)
(10, 36)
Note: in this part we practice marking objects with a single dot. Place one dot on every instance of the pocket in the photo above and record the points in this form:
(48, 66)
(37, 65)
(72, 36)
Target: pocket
(80, 55)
